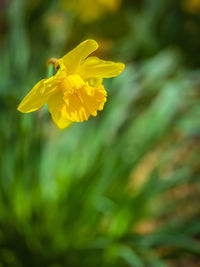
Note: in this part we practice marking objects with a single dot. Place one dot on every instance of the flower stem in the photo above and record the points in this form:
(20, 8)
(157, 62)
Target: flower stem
(50, 70)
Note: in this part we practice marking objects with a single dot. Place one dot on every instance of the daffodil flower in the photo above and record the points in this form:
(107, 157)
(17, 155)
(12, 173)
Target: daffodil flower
(76, 91)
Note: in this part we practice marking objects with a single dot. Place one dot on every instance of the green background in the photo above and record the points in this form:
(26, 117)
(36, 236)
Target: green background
(121, 189)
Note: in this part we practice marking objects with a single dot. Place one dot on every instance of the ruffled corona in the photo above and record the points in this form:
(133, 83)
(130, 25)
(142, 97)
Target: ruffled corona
(76, 91)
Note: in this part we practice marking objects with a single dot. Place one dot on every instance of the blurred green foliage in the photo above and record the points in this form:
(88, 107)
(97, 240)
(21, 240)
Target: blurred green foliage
(121, 189)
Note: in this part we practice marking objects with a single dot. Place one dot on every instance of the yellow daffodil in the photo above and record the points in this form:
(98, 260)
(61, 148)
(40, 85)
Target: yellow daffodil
(76, 91)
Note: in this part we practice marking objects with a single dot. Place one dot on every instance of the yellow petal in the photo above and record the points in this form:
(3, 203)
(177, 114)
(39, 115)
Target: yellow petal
(38, 96)
(85, 102)
(95, 67)
(74, 58)
(94, 82)
(55, 105)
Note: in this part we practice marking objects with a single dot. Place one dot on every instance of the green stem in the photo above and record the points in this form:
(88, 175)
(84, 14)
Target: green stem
(50, 70)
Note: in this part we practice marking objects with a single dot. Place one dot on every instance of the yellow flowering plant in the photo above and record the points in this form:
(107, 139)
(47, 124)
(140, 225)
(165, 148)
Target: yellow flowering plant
(76, 91)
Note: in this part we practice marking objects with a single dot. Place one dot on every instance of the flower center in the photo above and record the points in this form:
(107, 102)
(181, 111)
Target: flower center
(71, 84)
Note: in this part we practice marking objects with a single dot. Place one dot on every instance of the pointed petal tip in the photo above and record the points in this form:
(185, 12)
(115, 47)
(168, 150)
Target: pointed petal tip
(60, 125)
(92, 43)
(20, 108)
(23, 109)
(121, 66)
